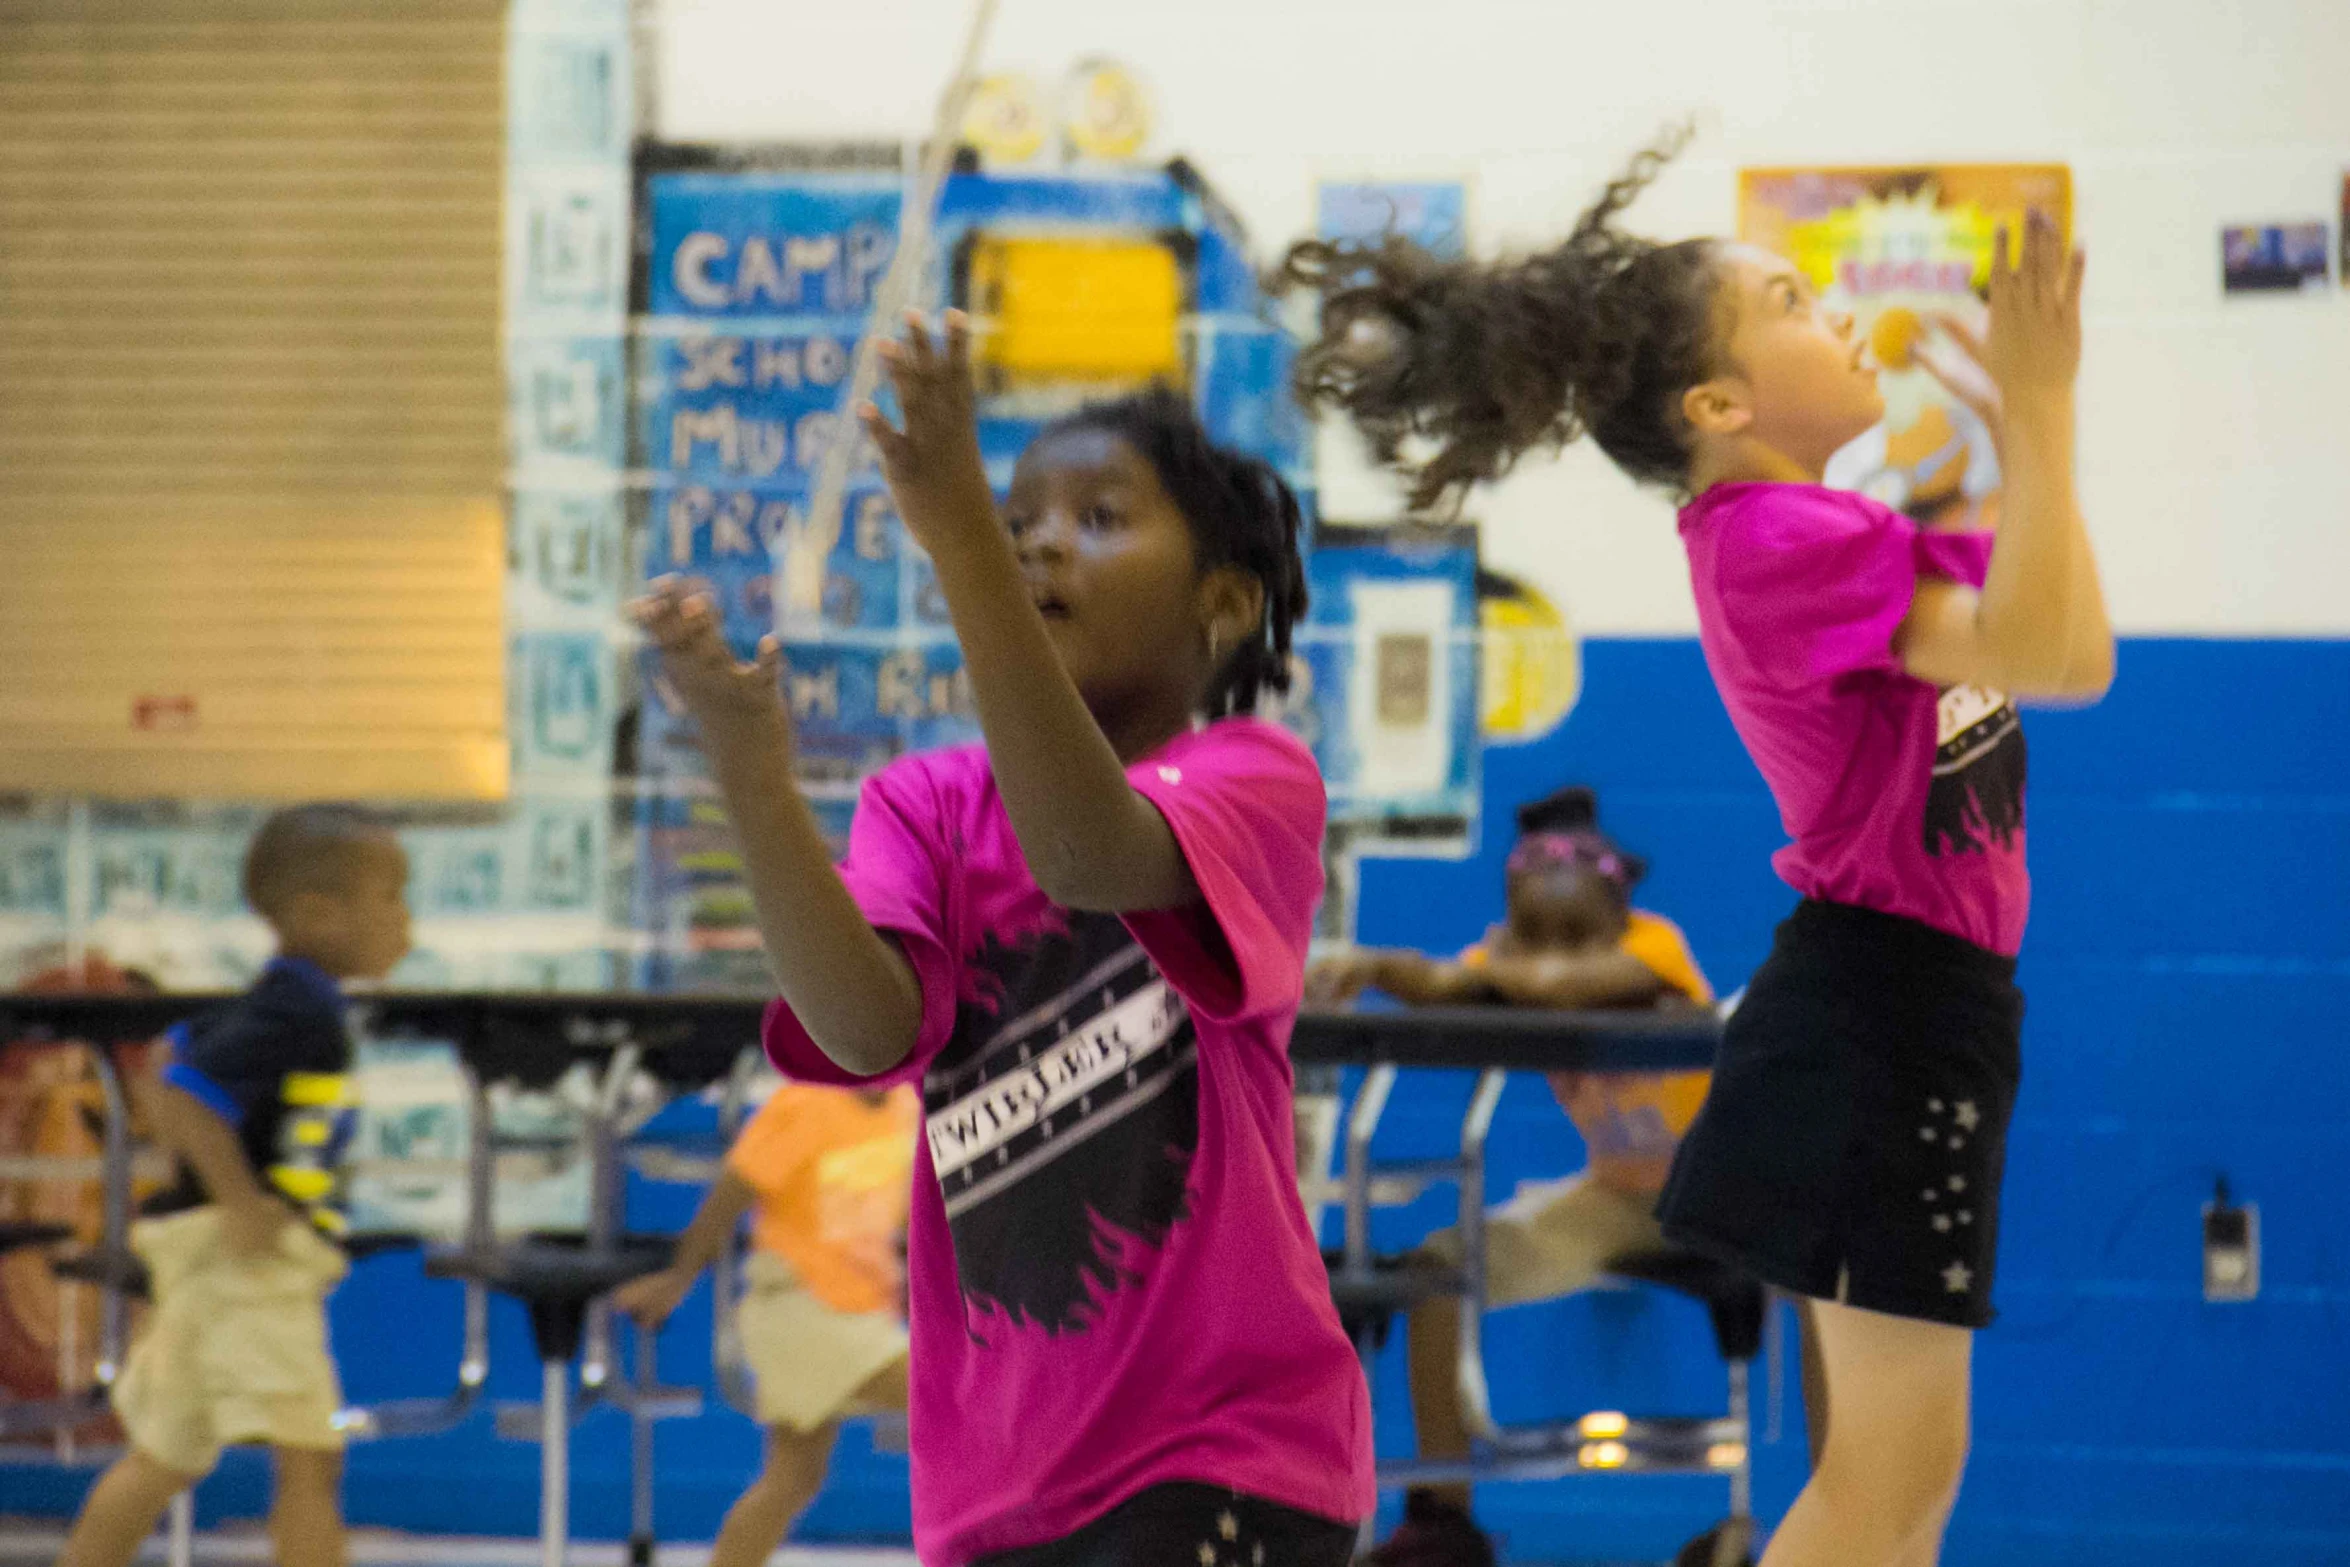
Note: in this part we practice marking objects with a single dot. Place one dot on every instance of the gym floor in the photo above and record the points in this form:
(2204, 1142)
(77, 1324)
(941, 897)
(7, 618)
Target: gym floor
(38, 1540)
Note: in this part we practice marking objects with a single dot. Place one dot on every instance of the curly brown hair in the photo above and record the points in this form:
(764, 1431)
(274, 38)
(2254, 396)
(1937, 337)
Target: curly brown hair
(1599, 336)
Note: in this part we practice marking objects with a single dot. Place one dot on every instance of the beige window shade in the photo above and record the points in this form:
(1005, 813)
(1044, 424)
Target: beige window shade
(251, 398)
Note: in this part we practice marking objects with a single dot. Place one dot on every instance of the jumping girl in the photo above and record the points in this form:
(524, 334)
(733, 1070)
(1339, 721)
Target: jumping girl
(1852, 1147)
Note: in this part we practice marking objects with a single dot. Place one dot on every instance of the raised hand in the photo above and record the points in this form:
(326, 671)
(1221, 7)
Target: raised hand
(1955, 358)
(681, 619)
(2033, 348)
(933, 465)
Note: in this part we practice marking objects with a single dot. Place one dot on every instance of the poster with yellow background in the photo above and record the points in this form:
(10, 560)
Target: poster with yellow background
(1898, 247)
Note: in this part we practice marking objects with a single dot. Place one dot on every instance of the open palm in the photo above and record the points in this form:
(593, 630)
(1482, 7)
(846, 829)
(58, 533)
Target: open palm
(680, 618)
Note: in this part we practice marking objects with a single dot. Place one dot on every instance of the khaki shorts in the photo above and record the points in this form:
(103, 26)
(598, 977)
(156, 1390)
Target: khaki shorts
(809, 1359)
(234, 1349)
(1556, 1237)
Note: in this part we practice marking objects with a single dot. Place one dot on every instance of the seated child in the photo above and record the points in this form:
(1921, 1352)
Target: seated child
(828, 1173)
(1572, 939)
(249, 1101)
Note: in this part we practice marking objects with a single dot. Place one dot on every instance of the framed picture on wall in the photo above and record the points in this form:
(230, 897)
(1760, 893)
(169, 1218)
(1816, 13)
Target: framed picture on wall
(2274, 258)
(1433, 214)
(1899, 246)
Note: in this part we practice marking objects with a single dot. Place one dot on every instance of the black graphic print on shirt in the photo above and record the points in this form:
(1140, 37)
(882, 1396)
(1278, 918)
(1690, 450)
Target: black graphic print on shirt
(1976, 798)
(1062, 1120)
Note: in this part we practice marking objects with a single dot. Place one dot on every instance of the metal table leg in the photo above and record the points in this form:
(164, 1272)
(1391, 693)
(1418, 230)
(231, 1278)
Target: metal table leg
(114, 1311)
(180, 1526)
(640, 1454)
(554, 1462)
(1476, 1128)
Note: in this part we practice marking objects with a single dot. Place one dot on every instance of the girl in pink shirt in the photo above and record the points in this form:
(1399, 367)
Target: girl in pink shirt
(1085, 942)
(1852, 1146)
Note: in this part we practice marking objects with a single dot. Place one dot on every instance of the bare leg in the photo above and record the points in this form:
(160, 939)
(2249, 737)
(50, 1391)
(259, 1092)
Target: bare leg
(121, 1511)
(1892, 1459)
(788, 1482)
(886, 1388)
(1815, 1383)
(1432, 1348)
(306, 1515)
(1925, 1549)
(760, 1518)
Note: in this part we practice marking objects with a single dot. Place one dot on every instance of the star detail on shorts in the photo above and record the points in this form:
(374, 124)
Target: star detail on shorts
(1942, 1222)
(1207, 1554)
(1958, 1278)
(1228, 1526)
(1966, 1115)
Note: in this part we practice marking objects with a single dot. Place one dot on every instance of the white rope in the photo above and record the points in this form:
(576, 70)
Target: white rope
(799, 601)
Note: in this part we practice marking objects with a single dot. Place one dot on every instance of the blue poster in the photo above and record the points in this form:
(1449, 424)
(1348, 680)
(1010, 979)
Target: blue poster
(757, 287)
(736, 246)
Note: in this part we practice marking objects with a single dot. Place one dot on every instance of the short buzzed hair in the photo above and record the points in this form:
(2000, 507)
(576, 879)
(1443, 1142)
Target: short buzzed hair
(307, 848)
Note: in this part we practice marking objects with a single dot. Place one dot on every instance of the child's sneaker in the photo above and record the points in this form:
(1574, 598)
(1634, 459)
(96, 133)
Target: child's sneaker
(1434, 1533)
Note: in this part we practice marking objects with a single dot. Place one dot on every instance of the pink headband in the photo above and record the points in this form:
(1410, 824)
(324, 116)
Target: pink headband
(1542, 850)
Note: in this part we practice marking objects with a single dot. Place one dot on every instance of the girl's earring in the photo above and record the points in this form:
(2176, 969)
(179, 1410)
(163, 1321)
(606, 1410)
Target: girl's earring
(1215, 648)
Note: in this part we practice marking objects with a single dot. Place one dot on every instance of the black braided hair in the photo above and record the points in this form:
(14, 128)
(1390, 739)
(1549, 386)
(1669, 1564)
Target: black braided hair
(1242, 514)
(1598, 335)
(1572, 809)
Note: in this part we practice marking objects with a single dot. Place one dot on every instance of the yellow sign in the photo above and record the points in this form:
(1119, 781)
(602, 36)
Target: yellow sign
(1062, 308)
(1532, 671)
(1897, 247)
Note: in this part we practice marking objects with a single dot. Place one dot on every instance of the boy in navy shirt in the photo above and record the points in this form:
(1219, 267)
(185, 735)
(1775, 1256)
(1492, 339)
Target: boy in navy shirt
(251, 1104)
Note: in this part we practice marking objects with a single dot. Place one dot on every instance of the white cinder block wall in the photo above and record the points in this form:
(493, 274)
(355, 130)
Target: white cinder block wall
(2215, 432)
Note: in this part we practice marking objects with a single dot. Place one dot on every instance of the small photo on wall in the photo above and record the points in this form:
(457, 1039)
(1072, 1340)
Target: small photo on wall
(1433, 214)
(2266, 258)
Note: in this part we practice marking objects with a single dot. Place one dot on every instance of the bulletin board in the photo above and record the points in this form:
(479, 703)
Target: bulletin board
(754, 284)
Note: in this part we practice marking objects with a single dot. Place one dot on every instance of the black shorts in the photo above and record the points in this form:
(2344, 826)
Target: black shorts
(1852, 1145)
(1186, 1525)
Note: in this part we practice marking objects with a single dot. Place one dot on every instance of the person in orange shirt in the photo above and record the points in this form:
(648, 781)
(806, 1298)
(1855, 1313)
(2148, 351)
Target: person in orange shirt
(826, 1175)
(1571, 939)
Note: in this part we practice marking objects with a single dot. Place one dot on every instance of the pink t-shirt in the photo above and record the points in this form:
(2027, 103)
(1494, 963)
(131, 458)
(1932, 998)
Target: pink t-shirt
(1899, 797)
(1111, 1280)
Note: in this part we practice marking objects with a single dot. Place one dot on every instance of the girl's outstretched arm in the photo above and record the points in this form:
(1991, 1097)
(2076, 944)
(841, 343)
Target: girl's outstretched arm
(1568, 981)
(651, 1298)
(849, 985)
(188, 1127)
(1090, 839)
(1413, 978)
